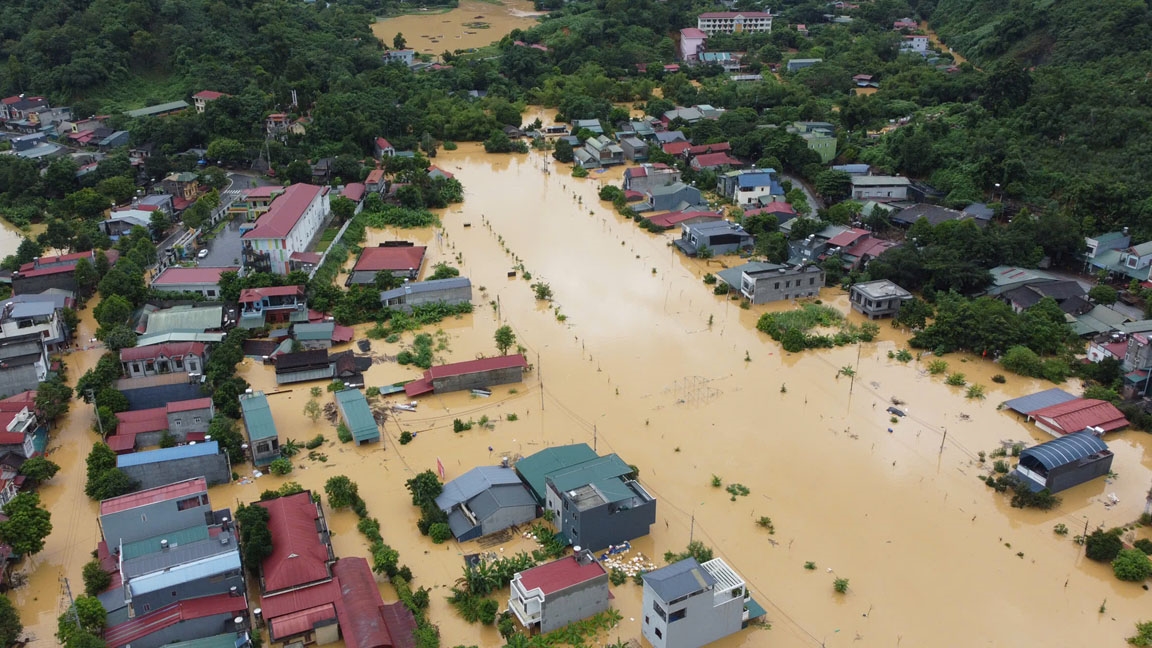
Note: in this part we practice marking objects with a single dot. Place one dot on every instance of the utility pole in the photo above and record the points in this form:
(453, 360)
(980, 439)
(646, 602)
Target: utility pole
(692, 528)
(71, 601)
(99, 422)
(594, 435)
(943, 440)
(540, 372)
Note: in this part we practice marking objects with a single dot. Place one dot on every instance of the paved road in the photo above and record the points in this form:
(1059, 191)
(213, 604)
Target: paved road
(814, 201)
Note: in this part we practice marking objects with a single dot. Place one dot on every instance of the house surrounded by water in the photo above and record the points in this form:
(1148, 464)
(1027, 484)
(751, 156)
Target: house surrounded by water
(550, 596)
(877, 299)
(1064, 462)
(263, 440)
(689, 605)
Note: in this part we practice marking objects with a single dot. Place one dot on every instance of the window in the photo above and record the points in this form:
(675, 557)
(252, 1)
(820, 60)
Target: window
(187, 503)
(210, 293)
(263, 446)
(677, 615)
(178, 363)
(147, 607)
(135, 367)
(659, 635)
(659, 610)
(812, 281)
(195, 419)
(647, 621)
(179, 422)
(143, 517)
(776, 286)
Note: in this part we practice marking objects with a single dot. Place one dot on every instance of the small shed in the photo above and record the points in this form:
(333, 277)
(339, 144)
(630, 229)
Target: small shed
(314, 336)
(354, 410)
(1064, 462)
(263, 440)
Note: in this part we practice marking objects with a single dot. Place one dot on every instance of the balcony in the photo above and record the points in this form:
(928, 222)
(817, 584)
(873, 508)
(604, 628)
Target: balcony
(528, 612)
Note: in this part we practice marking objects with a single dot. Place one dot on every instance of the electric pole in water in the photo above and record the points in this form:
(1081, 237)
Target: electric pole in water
(71, 601)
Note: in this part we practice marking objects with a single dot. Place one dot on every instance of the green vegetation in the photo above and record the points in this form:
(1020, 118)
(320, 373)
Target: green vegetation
(1132, 565)
(840, 585)
(1104, 546)
(281, 466)
(505, 339)
(27, 526)
(96, 580)
(10, 626)
(105, 480)
(420, 354)
(792, 328)
(341, 491)
(39, 469)
(695, 549)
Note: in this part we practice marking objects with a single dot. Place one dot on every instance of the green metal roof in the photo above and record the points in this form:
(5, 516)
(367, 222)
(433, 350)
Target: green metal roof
(314, 332)
(533, 469)
(357, 415)
(596, 470)
(613, 490)
(755, 610)
(227, 640)
(258, 417)
(152, 545)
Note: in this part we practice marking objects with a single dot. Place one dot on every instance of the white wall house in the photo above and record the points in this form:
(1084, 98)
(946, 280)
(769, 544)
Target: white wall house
(734, 22)
(288, 226)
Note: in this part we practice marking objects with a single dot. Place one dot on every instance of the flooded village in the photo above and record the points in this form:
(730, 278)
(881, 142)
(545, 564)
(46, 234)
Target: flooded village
(840, 490)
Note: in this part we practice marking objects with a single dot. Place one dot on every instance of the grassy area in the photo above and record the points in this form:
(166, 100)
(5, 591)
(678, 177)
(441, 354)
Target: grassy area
(326, 238)
(140, 91)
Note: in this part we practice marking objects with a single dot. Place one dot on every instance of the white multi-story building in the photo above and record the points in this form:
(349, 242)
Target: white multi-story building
(288, 226)
(689, 605)
(915, 43)
(734, 22)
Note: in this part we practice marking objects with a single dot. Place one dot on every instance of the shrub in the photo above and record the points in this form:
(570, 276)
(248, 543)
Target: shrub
(1103, 546)
(96, 580)
(937, 367)
(459, 426)
(512, 417)
(1145, 545)
(810, 565)
(343, 433)
(975, 392)
(1132, 565)
(840, 585)
(405, 437)
(439, 532)
(1060, 529)
(717, 482)
(1000, 466)
(341, 491)
(710, 279)
(766, 522)
(316, 442)
(617, 576)
(999, 379)
(904, 355)
(955, 379)
(488, 610)
(281, 466)
(167, 440)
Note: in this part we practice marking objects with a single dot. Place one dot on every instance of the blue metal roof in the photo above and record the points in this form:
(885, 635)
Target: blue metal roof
(433, 285)
(1065, 449)
(168, 454)
(474, 482)
(679, 579)
(1039, 400)
(760, 179)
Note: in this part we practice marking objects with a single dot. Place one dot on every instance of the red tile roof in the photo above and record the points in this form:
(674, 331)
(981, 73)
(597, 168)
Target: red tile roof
(847, 238)
(121, 443)
(210, 95)
(167, 349)
(383, 143)
(189, 405)
(168, 616)
(267, 191)
(476, 366)
(419, 387)
(714, 160)
(61, 264)
(675, 218)
(175, 276)
(559, 574)
(390, 258)
(153, 495)
(692, 32)
(376, 176)
(301, 622)
(275, 605)
(361, 624)
(676, 148)
(342, 333)
(1076, 415)
(446, 174)
(148, 420)
(709, 148)
(298, 556)
(256, 294)
(286, 210)
(13, 405)
(354, 191)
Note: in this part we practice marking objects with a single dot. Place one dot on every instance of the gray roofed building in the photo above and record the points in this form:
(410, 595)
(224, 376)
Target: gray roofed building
(719, 237)
(485, 500)
(451, 291)
(679, 579)
(1069, 295)
(801, 63)
(712, 597)
(673, 197)
(534, 469)
(23, 364)
(980, 211)
(158, 110)
(667, 137)
(934, 214)
(598, 503)
(876, 299)
(314, 335)
(1064, 462)
(1101, 319)
(592, 125)
(193, 319)
(731, 276)
(1032, 402)
(1005, 278)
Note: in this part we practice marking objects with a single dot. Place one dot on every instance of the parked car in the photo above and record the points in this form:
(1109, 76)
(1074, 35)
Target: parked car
(202, 253)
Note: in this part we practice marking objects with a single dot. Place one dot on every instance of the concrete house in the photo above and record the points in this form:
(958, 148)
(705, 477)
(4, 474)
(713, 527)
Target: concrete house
(734, 22)
(717, 237)
(645, 177)
(185, 420)
(204, 97)
(668, 220)
(36, 315)
(819, 137)
(880, 188)
(602, 152)
(1096, 245)
(471, 374)
(398, 258)
(46, 272)
(403, 56)
(205, 281)
(688, 605)
(184, 318)
(354, 411)
(313, 335)
(1077, 415)
(1065, 462)
(263, 442)
(749, 187)
(877, 299)
(535, 468)
(123, 221)
(590, 125)
(187, 620)
(291, 223)
(23, 364)
(915, 43)
(451, 291)
(154, 512)
(714, 161)
(382, 148)
(157, 359)
(276, 304)
(303, 366)
(155, 468)
(20, 431)
(635, 149)
(761, 283)
(550, 596)
(691, 44)
(485, 500)
(597, 503)
(674, 197)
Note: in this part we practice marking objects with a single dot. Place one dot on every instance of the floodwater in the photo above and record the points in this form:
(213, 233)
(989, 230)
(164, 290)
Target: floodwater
(472, 25)
(11, 236)
(649, 364)
(936, 42)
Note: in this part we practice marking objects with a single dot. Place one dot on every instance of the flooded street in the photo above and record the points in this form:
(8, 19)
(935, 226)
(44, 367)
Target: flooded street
(471, 25)
(11, 236)
(649, 364)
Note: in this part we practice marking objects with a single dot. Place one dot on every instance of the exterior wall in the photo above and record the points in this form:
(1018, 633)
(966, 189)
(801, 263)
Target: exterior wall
(731, 25)
(596, 528)
(152, 520)
(823, 145)
(751, 195)
(726, 248)
(646, 183)
(768, 287)
(505, 517)
(213, 468)
(690, 48)
(189, 421)
(21, 379)
(703, 621)
(634, 152)
(312, 345)
(875, 308)
(894, 192)
(478, 380)
(1139, 353)
(574, 603)
(164, 365)
(264, 451)
(1069, 475)
(451, 296)
(280, 249)
(187, 630)
(22, 285)
(214, 584)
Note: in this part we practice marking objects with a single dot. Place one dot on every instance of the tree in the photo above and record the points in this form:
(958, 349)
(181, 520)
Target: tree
(52, 399)
(10, 626)
(398, 41)
(443, 271)
(343, 208)
(112, 310)
(281, 466)
(424, 488)
(341, 491)
(226, 150)
(1132, 565)
(505, 339)
(1103, 546)
(27, 524)
(39, 469)
(85, 276)
(312, 409)
(914, 313)
(117, 189)
(96, 580)
(833, 185)
(563, 152)
(1105, 295)
(159, 224)
(298, 171)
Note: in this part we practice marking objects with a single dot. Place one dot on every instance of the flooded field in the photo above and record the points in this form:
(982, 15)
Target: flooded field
(646, 362)
(11, 236)
(471, 25)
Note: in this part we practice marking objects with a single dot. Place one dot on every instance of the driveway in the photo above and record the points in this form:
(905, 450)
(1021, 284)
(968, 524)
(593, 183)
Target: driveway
(814, 201)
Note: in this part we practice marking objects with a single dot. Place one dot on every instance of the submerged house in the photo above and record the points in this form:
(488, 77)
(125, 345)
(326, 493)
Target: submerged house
(156, 468)
(761, 283)
(356, 414)
(277, 304)
(1064, 462)
(471, 374)
(688, 604)
(876, 299)
(398, 258)
(263, 441)
(1069, 417)
(550, 596)
(155, 359)
(303, 366)
(451, 291)
(599, 503)
(716, 237)
(485, 500)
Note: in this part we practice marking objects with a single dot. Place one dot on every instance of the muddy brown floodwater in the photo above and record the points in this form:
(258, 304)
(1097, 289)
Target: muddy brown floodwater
(471, 25)
(638, 369)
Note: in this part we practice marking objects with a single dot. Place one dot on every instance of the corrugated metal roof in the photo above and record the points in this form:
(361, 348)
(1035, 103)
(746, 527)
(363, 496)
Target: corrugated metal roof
(227, 640)
(285, 212)
(679, 579)
(1066, 449)
(560, 574)
(298, 556)
(472, 483)
(176, 276)
(257, 416)
(185, 318)
(1039, 400)
(534, 469)
(420, 287)
(595, 470)
(168, 454)
(357, 415)
(314, 332)
(146, 546)
(185, 573)
(178, 555)
(1081, 413)
(362, 624)
(476, 366)
(176, 490)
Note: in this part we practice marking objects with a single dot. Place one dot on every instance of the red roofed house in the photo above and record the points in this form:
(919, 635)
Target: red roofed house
(276, 304)
(691, 44)
(47, 272)
(288, 226)
(719, 147)
(185, 420)
(400, 258)
(553, 595)
(676, 218)
(864, 249)
(277, 123)
(677, 148)
(375, 183)
(170, 357)
(714, 161)
(20, 431)
(194, 618)
(308, 596)
(355, 191)
(471, 374)
(201, 99)
(436, 172)
(1079, 415)
(382, 149)
(205, 281)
